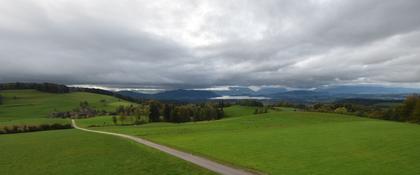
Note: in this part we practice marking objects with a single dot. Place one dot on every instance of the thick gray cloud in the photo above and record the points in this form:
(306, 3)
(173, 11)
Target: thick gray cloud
(210, 43)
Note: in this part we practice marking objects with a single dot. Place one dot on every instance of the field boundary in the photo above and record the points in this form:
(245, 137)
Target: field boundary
(197, 160)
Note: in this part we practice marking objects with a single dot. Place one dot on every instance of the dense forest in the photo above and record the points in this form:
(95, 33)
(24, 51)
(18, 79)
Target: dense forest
(1, 99)
(104, 92)
(44, 87)
(59, 88)
(155, 111)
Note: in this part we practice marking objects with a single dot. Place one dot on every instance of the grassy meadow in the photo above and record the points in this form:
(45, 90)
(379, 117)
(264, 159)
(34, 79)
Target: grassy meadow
(72, 151)
(77, 152)
(290, 142)
(32, 104)
(283, 141)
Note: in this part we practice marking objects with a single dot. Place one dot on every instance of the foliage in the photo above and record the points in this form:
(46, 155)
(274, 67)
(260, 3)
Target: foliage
(155, 111)
(341, 110)
(154, 115)
(195, 112)
(261, 110)
(58, 88)
(105, 92)
(31, 128)
(43, 87)
(249, 103)
(131, 115)
(408, 111)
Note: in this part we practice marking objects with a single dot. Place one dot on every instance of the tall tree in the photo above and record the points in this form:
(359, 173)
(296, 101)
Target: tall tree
(154, 112)
(408, 107)
(416, 113)
(167, 111)
(114, 120)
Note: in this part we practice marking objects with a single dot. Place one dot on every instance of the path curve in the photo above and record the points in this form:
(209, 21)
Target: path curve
(200, 161)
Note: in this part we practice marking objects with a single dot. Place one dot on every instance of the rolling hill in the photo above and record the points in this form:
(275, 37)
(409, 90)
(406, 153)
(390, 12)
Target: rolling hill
(72, 151)
(291, 142)
(178, 95)
(323, 94)
(27, 104)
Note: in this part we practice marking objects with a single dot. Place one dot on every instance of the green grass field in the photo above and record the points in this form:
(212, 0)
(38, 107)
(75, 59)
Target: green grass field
(77, 152)
(72, 151)
(289, 142)
(30, 104)
(278, 142)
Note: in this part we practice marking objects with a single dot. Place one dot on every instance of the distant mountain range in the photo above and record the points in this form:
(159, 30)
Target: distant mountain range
(352, 89)
(324, 94)
(179, 95)
(245, 91)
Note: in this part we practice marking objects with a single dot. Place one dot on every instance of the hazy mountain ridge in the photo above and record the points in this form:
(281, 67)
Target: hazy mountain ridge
(180, 94)
(323, 94)
(365, 89)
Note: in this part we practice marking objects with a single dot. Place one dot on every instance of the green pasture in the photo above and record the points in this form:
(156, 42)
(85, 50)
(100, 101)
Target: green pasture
(77, 152)
(290, 142)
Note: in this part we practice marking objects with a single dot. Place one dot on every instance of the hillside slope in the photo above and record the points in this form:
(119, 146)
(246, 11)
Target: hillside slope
(293, 142)
(24, 104)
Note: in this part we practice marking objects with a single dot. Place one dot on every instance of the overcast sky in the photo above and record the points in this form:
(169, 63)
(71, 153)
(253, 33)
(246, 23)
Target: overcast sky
(200, 44)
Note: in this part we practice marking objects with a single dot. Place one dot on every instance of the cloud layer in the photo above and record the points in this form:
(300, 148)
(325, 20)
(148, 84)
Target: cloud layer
(210, 43)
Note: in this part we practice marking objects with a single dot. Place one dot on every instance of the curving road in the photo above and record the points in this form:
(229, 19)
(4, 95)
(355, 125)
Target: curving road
(200, 161)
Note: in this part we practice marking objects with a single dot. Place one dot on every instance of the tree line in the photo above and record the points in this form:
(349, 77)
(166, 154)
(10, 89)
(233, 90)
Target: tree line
(1, 99)
(44, 87)
(253, 103)
(407, 111)
(59, 88)
(105, 92)
(32, 128)
(155, 111)
(261, 110)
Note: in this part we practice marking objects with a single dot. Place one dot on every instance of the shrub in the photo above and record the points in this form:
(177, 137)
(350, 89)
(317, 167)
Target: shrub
(33, 128)
(341, 110)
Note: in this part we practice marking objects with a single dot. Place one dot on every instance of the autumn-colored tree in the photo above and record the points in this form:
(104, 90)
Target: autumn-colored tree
(416, 112)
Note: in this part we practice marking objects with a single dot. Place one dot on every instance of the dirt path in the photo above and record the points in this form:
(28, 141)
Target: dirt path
(200, 161)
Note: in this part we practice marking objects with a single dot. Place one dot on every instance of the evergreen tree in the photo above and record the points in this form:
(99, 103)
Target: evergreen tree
(114, 120)
(408, 107)
(154, 112)
(416, 112)
(167, 111)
